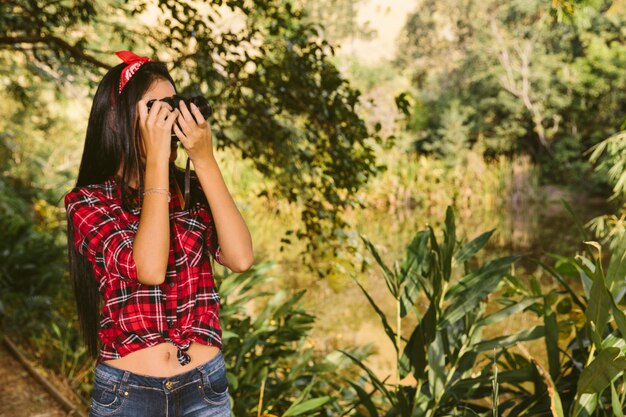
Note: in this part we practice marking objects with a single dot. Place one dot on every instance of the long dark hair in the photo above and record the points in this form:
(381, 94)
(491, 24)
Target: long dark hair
(112, 138)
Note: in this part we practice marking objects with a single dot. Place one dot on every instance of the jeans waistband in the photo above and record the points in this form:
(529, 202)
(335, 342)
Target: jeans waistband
(107, 373)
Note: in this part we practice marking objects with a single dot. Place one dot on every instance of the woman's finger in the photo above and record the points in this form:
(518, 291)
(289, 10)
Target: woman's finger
(184, 125)
(171, 118)
(185, 112)
(163, 108)
(154, 112)
(164, 112)
(198, 115)
(180, 135)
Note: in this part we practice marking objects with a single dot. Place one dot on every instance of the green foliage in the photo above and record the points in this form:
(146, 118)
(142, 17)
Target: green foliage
(610, 159)
(549, 89)
(591, 371)
(269, 352)
(446, 356)
(338, 19)
(610, 156)
(496, 84)
(453, 136)
(278, 98)
(35, 293)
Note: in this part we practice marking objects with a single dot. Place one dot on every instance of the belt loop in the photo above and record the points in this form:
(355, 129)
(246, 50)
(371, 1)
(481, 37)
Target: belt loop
(202, 369)
(123, 389)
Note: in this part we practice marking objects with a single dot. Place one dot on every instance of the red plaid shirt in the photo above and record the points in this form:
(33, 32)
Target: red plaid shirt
(183, 309)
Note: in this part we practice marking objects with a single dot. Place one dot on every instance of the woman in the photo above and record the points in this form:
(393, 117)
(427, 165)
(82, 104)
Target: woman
(134, 244)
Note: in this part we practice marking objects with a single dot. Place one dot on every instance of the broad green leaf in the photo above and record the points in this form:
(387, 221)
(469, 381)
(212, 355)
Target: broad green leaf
(504, 341)
(449, 243)
(598, 308)
(412, 269)
(473, 247)
(246, 279)
(506, 312)
(436, 275)
(619, 316)
(551, 339)
(365, 399)
(306, 406)
(470, 291)
(586, 405)
(377, 383)
(616, 272)
(415, 349)
(436, 367)
(227, 334)
(614, 341)
(390, 278)
(615, 402)
(470, 281)
(276, 300)
(586, 271)
(410, 292)
(417, 253)
(601, 371)
(463, 386)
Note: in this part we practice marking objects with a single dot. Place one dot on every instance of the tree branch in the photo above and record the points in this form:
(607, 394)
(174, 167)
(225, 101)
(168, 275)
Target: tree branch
(75, 51)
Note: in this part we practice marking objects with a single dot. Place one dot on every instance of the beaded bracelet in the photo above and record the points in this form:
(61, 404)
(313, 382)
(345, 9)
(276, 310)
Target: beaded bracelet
(158, 191)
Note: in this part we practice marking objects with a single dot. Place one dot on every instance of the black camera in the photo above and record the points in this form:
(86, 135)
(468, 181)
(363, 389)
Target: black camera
(201, 103)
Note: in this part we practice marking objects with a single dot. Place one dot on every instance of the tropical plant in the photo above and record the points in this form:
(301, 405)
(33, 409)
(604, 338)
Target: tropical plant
(272, 367)
(589, 369)
(610, 159)
(444, 367)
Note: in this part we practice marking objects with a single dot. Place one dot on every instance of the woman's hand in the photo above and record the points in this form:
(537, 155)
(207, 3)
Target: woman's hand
(195, 134)
(156, 128)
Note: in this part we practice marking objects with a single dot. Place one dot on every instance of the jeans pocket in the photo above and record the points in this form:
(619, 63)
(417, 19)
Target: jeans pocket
(214, 387)
(108, 396)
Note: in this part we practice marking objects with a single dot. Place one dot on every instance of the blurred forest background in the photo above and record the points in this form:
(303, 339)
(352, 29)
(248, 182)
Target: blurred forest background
(435, 191)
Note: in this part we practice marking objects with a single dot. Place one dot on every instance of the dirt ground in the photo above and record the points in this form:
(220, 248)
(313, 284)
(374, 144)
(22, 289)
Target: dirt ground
(20, 394)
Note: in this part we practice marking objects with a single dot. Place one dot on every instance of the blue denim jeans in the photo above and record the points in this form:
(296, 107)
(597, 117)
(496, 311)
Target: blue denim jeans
(201, 391)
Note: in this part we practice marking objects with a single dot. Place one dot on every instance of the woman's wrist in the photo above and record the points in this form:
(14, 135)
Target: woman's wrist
(207, 162)
(157, 160)
(157, 173)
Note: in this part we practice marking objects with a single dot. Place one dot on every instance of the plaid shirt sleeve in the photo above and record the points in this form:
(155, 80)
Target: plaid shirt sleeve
(212, 244)
(99, 235)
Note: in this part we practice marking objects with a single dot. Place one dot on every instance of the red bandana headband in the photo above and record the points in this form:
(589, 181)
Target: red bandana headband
(134, 63)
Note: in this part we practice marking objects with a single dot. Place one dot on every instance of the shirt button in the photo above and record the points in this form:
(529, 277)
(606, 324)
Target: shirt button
(172, 284)
(170, 322)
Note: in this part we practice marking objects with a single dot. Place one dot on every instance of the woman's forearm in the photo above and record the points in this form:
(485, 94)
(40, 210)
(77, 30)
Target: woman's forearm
(152, 241)
(232, 232)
